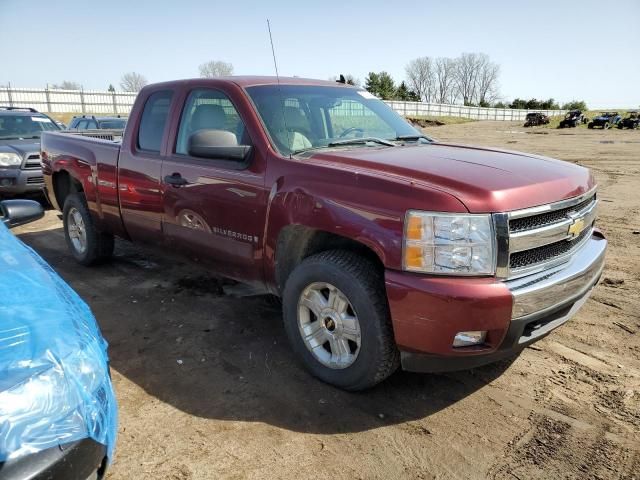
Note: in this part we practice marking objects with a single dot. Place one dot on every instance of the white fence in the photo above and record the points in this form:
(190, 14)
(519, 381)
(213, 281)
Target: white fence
(93, 101)
(59, 101)
(476, 113)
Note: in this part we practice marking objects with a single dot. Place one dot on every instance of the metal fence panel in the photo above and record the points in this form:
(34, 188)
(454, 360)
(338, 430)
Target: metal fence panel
(94, 101)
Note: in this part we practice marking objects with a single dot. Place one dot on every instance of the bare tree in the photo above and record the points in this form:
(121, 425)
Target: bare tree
(467, 66)
(215, 68)
(487, 80)
(444, 73)
(132, 82)
(420, 77)
(66, 85)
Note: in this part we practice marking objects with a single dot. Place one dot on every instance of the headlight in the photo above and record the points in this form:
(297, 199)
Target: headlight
(449, 244)
(8, 159)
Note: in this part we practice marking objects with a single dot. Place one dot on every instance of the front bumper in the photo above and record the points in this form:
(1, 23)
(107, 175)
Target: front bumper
(428, 312)
(17, 181)
(82, 460)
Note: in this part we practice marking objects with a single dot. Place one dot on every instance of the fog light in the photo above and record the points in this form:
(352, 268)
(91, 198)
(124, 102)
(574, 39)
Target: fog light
(5, 182)
(466, 339)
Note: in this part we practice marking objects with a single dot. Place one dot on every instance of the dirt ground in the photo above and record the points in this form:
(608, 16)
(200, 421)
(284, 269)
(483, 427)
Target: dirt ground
(208, 388)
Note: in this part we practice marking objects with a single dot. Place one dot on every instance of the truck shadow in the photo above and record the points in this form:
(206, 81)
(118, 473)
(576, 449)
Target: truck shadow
(174, 333)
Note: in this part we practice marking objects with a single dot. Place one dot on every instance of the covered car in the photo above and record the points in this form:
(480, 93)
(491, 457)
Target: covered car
(58, 412)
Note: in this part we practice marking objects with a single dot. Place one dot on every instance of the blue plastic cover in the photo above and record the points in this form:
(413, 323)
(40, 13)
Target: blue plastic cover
(55, 386)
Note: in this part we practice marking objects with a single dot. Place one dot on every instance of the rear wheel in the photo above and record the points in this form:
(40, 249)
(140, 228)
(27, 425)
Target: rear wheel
(606, 126)
(337, 320)
(86, 243)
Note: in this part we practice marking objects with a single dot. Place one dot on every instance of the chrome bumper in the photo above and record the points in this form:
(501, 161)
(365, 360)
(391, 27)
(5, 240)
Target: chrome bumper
(566, 283)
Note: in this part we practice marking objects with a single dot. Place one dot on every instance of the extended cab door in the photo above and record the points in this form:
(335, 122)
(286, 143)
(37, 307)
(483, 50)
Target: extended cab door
(140, 168)
(215, 209)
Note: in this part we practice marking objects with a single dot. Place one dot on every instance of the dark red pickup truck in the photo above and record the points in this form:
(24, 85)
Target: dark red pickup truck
(385, 246)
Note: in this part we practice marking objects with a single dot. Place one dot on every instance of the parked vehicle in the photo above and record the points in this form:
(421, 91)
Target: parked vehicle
(20, 130)
(632, 120)
(91, 122)
(536, 118)
(573, 118)
(605, 120)
(386, 247)
(58, 412)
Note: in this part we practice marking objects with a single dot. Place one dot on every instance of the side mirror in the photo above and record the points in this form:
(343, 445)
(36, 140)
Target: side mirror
(217, 144)
(18, 212)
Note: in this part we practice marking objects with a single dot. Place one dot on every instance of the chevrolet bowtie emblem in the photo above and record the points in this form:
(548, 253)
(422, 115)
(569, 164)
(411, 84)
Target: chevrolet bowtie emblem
(576, 227)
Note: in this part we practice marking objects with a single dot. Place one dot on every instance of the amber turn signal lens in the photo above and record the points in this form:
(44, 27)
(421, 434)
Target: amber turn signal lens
(413, 256)
(414, 228)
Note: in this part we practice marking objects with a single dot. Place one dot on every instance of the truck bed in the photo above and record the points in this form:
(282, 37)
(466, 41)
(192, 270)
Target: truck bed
(91, 160)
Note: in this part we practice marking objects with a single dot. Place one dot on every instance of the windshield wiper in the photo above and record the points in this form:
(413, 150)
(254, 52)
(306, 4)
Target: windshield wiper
(360, 141)
(412, 138)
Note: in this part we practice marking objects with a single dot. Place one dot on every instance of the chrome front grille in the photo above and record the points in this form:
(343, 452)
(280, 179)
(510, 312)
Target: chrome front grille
(542, 237)
(544, 219)
(548, 252)
(32, 162)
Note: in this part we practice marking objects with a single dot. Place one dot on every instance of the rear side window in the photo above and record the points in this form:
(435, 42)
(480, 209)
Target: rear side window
(154, 120)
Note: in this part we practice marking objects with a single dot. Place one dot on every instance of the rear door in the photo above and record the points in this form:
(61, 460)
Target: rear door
(214, 209)
(140, 168)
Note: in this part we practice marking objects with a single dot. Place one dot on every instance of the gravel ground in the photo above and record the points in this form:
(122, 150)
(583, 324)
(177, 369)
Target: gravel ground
(208, 388)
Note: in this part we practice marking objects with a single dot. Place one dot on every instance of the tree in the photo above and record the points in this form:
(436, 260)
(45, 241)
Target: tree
(444, 74)
(466, 76)
(66, 85)
(132, 82)
(111, 88)
(214, 68)
(575, 105)
(403, 93)
(420, 76)
(487, 80)
(381, 85)
(372, 83)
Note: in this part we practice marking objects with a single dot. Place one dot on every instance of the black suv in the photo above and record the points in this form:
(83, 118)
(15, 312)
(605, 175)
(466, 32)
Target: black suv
(91, 122)
(632, 120)
(573, 118)
(20, 130)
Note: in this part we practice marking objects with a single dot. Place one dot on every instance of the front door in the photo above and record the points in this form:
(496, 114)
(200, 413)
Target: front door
(214, 209)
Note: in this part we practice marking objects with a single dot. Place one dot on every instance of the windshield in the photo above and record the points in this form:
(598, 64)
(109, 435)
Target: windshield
(303, 117)
(116, 124)
(13, 127)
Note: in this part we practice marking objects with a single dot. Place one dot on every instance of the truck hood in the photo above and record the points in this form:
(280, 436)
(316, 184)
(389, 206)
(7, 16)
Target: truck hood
(21, 147)
(483, 179)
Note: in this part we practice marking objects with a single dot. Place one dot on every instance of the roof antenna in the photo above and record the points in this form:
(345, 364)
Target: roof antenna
(275, 64)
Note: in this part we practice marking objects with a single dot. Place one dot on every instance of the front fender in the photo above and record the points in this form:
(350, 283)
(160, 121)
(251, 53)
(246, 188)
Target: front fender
(368, 209)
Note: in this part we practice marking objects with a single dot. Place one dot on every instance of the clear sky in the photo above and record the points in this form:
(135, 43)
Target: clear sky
(565, 49)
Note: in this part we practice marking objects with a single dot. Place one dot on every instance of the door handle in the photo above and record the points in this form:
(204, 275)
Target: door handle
(176, 180)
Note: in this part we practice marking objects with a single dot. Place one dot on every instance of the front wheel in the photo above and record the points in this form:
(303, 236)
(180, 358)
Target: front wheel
(86, 243)
(337, 320)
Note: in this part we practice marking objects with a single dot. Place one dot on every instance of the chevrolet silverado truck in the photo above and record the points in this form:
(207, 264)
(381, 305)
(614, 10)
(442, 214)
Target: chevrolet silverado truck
(387, 248)
(20, 130)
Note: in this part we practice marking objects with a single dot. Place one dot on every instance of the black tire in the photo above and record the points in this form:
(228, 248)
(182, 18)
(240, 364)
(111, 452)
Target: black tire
(362, 284)
(590, 125)
(606, 126)
(99, 245)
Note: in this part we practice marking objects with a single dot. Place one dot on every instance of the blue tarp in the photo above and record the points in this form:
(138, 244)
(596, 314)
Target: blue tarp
(54, 377)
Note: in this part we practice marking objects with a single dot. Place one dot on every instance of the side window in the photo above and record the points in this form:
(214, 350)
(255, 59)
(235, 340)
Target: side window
(91, 124)
(154, 120)
(82, 125)
(207, 109)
